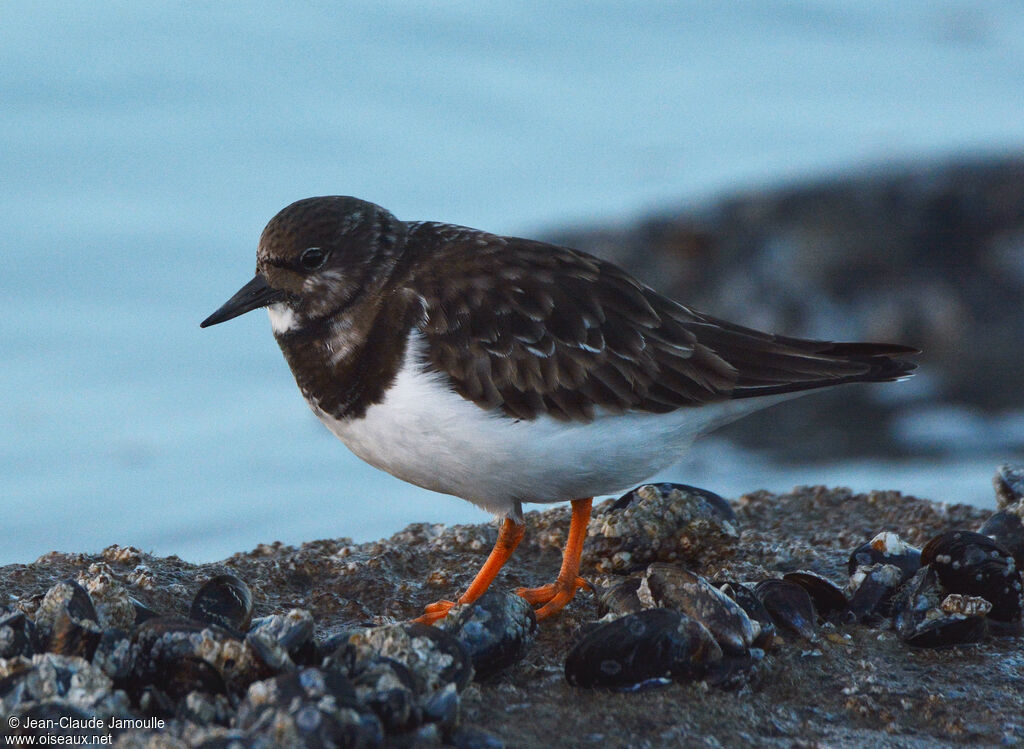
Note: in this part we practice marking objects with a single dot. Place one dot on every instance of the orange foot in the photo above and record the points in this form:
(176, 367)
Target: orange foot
(552, 597)
(434, 612)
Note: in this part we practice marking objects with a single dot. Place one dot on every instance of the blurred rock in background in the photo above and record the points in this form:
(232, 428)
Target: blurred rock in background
(926, 255)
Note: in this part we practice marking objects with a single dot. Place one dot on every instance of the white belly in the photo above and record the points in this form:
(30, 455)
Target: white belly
(428, 435)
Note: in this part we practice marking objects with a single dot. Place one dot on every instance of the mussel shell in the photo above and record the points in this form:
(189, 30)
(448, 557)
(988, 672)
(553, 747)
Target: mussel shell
(648, 646)
(886, 548)
(497, 630)
(974, 564)
(115, 656)
(66, 621)
(871, 599)
(947, 631)
(676, 588)
(718, 505)
(1005, 527)
(1009, 485)
(178, 656)
(620, 597)
(744, 595)
(925, 617)
(828, 598)
(789, 606)
(17, 635)
(224, 600)
(142, 611)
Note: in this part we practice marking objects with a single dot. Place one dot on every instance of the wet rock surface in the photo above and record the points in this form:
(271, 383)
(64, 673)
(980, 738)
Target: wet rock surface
(330, 659)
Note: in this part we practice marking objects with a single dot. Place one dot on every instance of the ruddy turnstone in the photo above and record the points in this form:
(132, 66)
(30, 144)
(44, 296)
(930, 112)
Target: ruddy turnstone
(505, 370)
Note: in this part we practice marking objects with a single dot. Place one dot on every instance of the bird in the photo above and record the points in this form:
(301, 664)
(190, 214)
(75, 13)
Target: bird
(509, 371)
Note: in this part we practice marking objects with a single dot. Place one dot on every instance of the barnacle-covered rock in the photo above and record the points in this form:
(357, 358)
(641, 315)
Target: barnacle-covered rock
(670, 586)
(659, 522)
(886, 548)
(113, 605)
(400, 671)
(389, 689)
(178, 656)
(497, 630)
(976, 565)
(224, 600)
(434, 656)
(66, 621)
(828, 598)
(789, 606)
(282, 640)
(651, 646)
(61, 679)
(309, 707)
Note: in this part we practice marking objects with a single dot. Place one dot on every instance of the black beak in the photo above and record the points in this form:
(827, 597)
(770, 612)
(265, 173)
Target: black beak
(253, 295)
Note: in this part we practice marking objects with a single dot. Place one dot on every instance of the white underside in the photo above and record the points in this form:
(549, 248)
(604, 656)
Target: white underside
(428, 435)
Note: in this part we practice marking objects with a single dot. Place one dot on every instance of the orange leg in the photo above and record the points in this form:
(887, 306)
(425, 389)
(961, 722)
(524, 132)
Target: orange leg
(556, 595)
(509, 536)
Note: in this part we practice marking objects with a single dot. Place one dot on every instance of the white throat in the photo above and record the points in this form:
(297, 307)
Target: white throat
(282, 318)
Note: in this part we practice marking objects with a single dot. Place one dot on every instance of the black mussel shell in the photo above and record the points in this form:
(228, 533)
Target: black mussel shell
(497, 629)
(620, 597)
(886, 548)
(921, 621)
(789, 606)
(828, 597)
(947, 631)
(224, 600)
(646, 647)
(17, 635)
(873, 587)
(920, 594)
(1005, 527)
(974, 564)
(173, 657)
(66, 621)
(744, 595)
(142, 611)
(115, 656)
(718, 505)
(1009, 485)
(676, 588)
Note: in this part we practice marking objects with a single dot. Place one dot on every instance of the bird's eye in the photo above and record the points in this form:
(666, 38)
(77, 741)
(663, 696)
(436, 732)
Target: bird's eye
(312, 258)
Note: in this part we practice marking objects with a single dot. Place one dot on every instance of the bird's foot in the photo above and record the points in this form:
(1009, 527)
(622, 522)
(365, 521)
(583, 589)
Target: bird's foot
(435, 612)
(552, 597)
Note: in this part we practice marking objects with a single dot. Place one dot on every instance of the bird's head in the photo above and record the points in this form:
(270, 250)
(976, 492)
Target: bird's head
(315, 258)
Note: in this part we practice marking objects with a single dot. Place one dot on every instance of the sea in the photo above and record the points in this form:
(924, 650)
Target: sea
(145, 145)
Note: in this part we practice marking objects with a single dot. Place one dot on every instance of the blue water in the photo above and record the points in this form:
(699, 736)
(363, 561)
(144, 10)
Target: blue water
(144, 145)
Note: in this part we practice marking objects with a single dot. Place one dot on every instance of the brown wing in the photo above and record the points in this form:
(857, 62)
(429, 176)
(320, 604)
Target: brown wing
(532, 328)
